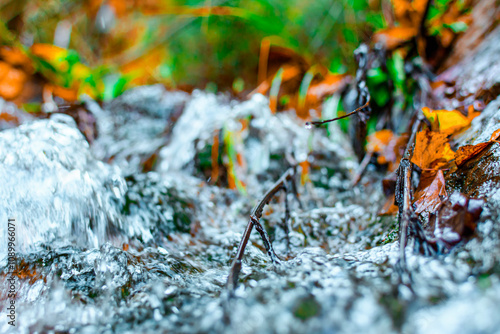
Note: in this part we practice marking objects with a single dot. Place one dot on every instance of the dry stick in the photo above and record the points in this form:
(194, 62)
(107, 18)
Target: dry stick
(368, 156)
(317, 123)
(293, 163)
(287, 218)
(362, 168)
(404, 192)
(255, 215)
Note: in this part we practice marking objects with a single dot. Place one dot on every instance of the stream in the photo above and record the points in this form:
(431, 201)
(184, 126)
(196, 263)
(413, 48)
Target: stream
(105, 245)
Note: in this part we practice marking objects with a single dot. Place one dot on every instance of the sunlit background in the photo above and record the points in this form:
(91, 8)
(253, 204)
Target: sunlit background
(188, 43)
(297, 52)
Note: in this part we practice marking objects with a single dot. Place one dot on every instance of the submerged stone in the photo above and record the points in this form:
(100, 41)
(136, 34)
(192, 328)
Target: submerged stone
(57, 192)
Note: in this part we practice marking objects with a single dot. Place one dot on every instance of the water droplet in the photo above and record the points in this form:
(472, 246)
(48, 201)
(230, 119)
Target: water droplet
(308, 125)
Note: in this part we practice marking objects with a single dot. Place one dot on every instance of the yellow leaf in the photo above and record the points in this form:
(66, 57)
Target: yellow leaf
(446, 121)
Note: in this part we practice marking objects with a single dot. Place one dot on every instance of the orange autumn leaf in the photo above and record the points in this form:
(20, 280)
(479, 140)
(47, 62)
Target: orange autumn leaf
(68, 94)
(288, 72)
(409, 13)
(429, 198)
(48, 52)
(456, 12)
(472, 113)
(467, 152)
(143, 69)
(379, 140)
(16, 57)
(432, 150)
(495, 135)
(389, 207)
(11, 81)
(394, 37)
(446, 121)
(331, 84)
(304, 176)
(388, 146)
(215, 158)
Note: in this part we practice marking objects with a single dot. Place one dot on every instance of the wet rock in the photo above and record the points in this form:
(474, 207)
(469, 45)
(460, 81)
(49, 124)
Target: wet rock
(11, 116)
(158, 206)
(57, 192)
(134, 126)
(480, 176)
(483, 126)
(484, 19)
(60, 195)
(455, 219)
(476, 77)
(472, 311)
(84, 119)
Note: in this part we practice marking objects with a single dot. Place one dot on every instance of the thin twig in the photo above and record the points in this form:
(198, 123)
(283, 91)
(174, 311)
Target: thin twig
(362, 168)
(318, 123)
(286, 219)
(255, 215)
(404, 193)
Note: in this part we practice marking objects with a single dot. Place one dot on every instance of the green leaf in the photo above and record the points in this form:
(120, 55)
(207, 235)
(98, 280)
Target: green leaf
(32, 107)
(376, 76)
(457, 26)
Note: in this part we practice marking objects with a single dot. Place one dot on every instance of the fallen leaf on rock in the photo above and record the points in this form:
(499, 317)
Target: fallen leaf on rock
(430, 198)
(446, 121)
(84, 119)
(467, 152)
(455, 219)
(495, 135)
(432, 150)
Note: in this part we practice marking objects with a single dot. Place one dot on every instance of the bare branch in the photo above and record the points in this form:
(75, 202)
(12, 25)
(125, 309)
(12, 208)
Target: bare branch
(255, 215)
(318, 123)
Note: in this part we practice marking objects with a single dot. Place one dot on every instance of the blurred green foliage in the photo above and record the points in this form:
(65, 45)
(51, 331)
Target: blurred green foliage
(195, 48)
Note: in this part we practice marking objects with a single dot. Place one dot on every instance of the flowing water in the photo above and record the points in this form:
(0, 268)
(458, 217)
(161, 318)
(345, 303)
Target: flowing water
(106, 246)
